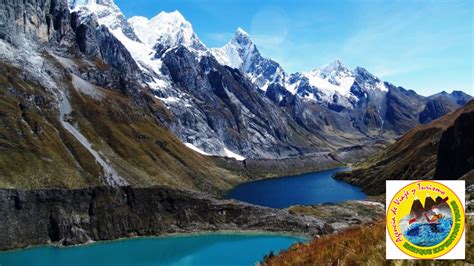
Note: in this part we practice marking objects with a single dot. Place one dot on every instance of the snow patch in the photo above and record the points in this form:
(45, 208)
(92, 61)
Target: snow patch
(144, 57)
(107, 12)
(331, 79)
(196, 149)
(381, 87)
(231, 154)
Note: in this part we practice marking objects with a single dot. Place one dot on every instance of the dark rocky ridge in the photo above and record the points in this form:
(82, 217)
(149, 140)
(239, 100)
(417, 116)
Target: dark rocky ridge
(456, 149)
(434, 109)
(442, 149)
(68, 217)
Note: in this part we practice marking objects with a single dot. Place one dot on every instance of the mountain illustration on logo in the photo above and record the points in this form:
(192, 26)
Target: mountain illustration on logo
(429, 202)
(441, 202)
(417, 208)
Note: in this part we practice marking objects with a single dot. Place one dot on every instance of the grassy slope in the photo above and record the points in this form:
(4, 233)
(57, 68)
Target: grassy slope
(142, 150)
(36, 152)
(364, 245)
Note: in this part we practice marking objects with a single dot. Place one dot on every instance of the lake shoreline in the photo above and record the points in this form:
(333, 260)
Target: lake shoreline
(260, 169)
(71, 217)
(341, 166)
(304, 189)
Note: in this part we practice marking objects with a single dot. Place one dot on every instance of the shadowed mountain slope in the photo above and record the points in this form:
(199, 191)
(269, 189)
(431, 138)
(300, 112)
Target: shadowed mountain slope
(441, 149)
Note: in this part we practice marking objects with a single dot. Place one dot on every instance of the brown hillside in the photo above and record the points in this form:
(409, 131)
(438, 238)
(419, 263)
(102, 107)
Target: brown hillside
(37, 152)
(413, 156)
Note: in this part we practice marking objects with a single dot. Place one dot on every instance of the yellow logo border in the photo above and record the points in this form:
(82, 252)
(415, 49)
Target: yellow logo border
(428, 255)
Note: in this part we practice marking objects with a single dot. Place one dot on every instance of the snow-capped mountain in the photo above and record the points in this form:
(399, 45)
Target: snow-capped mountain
(331, 85)
(166, 30)
(146, 39)
(160, 42)
(242, 53)
(335, 85)
(232, 101)
(108, 14)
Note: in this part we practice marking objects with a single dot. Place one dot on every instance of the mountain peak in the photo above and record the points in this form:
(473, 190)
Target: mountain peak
(107, 12)
(171, 17)
(242, 38)
(337, 62)
(242, 53)
(241, 32)
(336, 65)
(331, 70)
(92, 5)
(166, 29)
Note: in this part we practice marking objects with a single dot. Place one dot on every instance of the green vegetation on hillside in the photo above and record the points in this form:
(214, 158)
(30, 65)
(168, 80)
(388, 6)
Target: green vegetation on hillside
(37, 152)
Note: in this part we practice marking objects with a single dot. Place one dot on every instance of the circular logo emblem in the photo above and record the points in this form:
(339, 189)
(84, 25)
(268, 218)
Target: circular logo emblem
(425, 219)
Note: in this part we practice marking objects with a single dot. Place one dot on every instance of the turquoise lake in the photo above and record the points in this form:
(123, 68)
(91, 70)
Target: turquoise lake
(208, 249)
(306, 189)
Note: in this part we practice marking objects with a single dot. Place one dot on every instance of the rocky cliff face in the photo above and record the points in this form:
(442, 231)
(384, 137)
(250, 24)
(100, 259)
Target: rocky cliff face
(402, 109)
(69, 217)
(441, 104)
(456, 149)
(434, 109)
(223, 105)
(41, 20)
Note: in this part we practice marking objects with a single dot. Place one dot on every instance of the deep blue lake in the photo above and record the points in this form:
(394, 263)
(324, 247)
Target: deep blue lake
(306, 189)
(208, 249)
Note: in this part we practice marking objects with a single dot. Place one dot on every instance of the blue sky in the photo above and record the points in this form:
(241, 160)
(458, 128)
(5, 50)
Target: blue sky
(422, 45)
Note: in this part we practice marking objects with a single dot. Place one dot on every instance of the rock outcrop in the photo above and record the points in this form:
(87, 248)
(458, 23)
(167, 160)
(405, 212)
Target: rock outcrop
(225, 110)
(456, 149)
(68, 217)
(41, 20)
(435, 108)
